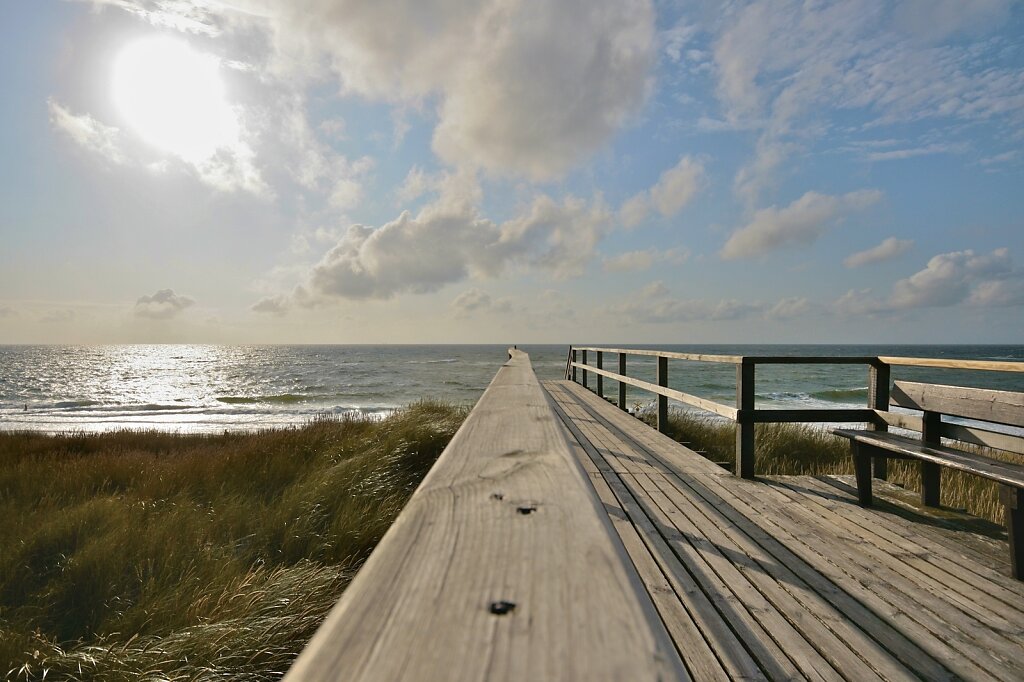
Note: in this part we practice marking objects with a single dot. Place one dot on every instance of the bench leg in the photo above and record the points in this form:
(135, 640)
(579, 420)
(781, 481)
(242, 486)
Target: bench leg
(882, 468)
(931, 477)
(862, 468)
(1013, 498)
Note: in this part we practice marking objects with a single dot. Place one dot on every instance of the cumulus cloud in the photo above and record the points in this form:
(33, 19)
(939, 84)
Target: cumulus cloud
(7, 311)
(475, 301)
(521, 88)
(675, 188)
(162, 305)
(889, 248)
(954, 278)
(449, 241)
(271, 305)
(802, 222)
(664, 310)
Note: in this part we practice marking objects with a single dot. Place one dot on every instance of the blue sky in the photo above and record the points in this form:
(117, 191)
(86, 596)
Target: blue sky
(502, 171)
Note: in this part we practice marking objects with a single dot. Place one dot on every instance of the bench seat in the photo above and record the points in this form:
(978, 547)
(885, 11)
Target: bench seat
(867, 445)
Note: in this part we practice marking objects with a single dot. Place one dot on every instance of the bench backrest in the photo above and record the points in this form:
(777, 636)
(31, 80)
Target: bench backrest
(999, 407)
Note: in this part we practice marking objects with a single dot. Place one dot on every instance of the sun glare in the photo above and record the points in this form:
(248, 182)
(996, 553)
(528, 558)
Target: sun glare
(173, 97)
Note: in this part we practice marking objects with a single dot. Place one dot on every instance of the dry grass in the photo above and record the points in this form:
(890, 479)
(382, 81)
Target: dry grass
(799, 449)
(153, 556)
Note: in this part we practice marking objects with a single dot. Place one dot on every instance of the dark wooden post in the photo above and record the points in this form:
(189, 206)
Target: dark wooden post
(574, 364)
(879, 375)
(662, 400)
(584, 371)
(622, 385)
(1013, 499)
(600, 378)
(931, 473)
(745, 419)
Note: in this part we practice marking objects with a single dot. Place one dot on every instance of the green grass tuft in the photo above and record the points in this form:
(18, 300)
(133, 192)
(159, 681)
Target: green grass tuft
(155, 556)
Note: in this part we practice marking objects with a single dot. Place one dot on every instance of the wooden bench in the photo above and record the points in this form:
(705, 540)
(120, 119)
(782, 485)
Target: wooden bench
(933, 400)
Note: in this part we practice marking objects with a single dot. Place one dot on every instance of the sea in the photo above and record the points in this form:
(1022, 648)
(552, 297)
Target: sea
(216, 388)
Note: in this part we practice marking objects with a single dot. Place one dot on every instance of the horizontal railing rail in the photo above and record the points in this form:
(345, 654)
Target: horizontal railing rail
(745, 414)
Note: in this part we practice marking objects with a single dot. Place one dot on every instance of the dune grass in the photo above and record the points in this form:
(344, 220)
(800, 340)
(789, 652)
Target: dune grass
(802, 449)
(154, 556)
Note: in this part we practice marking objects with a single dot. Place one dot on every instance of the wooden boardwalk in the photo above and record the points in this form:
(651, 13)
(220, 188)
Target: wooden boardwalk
(787, 577)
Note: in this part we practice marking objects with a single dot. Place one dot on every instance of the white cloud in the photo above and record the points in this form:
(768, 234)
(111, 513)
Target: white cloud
(416, 184)
(655, 289)
(889, 248)
(87, 132)
(7, 311)
(634, 210)
(474, 301)
(802, 222)
(449, 241)
(180, 15)
(789, 308)
(785, 66)
(675, 188)
(229, 169)
(271, 305)
(521, 88)
(955, 278)
(162, 305)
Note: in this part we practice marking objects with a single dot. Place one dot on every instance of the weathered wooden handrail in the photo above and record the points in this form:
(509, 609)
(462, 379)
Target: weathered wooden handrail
(746, 415)
(502, 566)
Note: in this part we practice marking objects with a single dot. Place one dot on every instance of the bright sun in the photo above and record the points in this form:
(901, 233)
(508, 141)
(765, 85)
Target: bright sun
(173, 97)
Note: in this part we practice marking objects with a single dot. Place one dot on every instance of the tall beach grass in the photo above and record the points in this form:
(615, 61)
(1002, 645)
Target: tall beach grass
(803, 449)
(154, 556)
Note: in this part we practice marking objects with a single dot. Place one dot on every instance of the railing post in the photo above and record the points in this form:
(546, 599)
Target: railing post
(584, 371)
(745, 419)
(574, 365)
(879, 375)
(662, 400)
(931, 473)
(622, 385)
(600, 379)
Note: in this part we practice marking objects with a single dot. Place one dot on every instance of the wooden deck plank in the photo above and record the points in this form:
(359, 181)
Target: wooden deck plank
(902, 619)
(697, 654)
(996, 591)
(502, 566)
(811, 628)
(730, 651)
(770, 623)
(978, 554)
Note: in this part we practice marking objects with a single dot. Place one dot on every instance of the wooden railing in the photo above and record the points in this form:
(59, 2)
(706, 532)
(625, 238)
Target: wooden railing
(745, 414)
(502, 566)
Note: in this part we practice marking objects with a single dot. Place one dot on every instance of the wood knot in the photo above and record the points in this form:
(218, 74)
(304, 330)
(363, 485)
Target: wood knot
(527, 509)
(500, 608)
(497, 496)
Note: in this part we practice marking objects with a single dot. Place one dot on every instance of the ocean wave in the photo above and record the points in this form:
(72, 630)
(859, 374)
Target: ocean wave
(65, 404)
(842, 395)
(282, 399)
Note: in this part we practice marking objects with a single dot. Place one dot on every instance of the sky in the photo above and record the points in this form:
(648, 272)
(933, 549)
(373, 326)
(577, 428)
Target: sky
(504, 171)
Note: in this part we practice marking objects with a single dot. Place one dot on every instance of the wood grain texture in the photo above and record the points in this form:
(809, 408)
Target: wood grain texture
(994, 469)
(1001, 407)
(990, 365)
(872, 594)
(505, 515)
